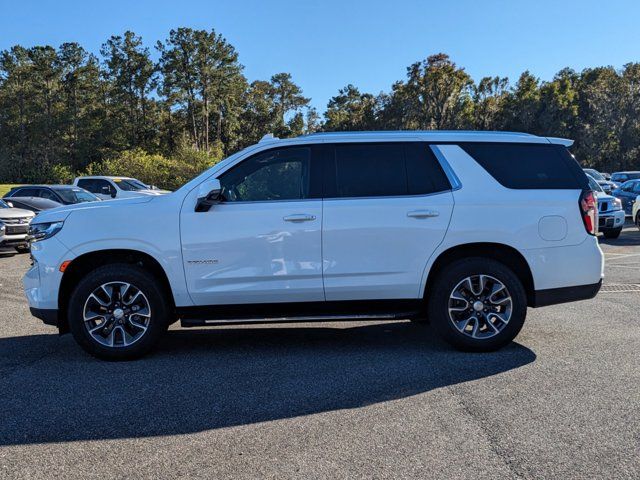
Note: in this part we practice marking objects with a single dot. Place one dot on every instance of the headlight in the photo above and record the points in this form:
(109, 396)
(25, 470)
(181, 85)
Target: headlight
(617, 204)
(42, 231)
(2, 228)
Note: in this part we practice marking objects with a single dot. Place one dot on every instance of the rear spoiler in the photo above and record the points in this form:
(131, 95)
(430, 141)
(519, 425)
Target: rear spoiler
(560, 141)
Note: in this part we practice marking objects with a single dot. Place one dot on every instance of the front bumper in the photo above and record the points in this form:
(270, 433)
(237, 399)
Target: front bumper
(48, 315)
(611, 220)
(11, 241)
(42, 281)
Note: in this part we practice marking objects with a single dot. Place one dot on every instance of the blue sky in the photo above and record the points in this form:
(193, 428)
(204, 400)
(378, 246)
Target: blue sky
(326, 45)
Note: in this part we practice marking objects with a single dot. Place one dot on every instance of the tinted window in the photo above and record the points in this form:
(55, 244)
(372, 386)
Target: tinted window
(88, 184)
(76, 195)
(25, 192)
(283, 174)
(129, 185)
(46, 193)
(529, 166)
(383, 169)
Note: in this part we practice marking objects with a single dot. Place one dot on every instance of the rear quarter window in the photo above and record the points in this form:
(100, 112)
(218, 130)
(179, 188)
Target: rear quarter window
(529, 166)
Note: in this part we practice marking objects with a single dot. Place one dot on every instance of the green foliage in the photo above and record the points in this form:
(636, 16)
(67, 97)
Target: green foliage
(155, 169)
(65, 110)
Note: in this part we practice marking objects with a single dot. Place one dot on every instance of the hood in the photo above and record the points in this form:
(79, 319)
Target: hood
(15, 213)
(151, 192)
(61, 213)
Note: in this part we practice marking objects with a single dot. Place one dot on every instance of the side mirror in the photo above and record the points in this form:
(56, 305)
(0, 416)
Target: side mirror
(112, 193)
(209, 194)
(10, 204)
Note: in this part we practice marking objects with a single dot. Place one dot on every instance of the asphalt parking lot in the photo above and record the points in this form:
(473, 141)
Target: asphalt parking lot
(342, 400)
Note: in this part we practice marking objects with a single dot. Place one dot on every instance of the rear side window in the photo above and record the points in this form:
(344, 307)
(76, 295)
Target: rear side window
(25, 192)
(529, 166)
(382, 169)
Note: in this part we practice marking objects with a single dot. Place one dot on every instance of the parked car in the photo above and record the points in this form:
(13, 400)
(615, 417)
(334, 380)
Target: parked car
(35, 204)
(14, 226)
(627, 193)
(606, 185)
(466, 229)
(116, 187)
(610, 213)
(64, 194)
(636, 212)
(621, 177)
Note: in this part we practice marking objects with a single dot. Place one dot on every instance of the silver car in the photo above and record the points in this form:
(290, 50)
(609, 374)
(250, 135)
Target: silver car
(14, 226)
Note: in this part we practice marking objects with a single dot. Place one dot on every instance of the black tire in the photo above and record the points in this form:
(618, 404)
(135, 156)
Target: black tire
(120, 272)
(443, 287)
(612, 233)
(638, 220)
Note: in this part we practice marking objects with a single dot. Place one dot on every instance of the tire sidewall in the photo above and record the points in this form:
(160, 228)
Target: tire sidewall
(438, 303)
(142, 280)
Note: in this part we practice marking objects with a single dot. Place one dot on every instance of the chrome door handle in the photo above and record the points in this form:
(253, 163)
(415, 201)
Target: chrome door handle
(423, 213)
(299, 217)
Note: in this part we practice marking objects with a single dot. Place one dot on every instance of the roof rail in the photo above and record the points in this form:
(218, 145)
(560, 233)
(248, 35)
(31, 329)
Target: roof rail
(391, 132)
(268, 138)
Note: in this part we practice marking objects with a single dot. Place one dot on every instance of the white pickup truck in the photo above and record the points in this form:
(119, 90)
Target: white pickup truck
(107, 187)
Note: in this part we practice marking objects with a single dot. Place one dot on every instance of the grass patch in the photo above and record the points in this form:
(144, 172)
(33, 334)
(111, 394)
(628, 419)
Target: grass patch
(5, 187)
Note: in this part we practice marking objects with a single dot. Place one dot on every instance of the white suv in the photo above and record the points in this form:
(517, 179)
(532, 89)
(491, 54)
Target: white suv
(461, 229)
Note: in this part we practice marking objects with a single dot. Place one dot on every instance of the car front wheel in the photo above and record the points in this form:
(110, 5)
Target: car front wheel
(477, 304)
(118, 312)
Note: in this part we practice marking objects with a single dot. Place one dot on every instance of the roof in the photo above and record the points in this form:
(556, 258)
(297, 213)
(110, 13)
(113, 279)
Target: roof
(425, 135)
(54, 187)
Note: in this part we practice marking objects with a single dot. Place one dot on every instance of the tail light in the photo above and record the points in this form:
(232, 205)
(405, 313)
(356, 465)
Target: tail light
(589, 211)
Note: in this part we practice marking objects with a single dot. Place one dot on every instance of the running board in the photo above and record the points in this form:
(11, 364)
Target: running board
(218, 315)
(197, 322)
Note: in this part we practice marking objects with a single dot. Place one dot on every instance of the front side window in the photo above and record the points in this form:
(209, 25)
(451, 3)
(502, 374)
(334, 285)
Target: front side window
(282, 174)
(46, 193)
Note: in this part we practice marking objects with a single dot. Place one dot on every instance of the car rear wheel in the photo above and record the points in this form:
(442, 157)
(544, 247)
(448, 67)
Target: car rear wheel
(638, 220)
(118, 312)
(477, 304)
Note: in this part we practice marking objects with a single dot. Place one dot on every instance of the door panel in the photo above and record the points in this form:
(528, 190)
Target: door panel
(262, 243)
(250, 253)
(377, 248)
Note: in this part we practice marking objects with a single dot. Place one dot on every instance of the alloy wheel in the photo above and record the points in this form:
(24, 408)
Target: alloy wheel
(480, 306)
(117, 314)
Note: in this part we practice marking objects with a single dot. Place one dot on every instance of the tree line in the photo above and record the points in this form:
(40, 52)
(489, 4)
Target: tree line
(65, 110)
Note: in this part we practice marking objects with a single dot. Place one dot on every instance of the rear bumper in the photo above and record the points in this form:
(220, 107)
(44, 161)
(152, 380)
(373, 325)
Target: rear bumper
(552, 296)
(48, 315)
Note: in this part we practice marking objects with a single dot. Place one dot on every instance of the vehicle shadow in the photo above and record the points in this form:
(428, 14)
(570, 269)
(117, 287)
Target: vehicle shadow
(208, 379)
(630, 236)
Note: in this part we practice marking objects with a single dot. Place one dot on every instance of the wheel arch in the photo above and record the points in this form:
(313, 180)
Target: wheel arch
(500, 252)
(87, 262)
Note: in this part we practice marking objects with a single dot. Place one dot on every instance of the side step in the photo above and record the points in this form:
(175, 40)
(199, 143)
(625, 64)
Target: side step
(256, 314)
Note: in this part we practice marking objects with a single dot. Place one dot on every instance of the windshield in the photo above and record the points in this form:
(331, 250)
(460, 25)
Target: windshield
(130, 184)
(594, 185)
(595, 174)
(76, 195)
